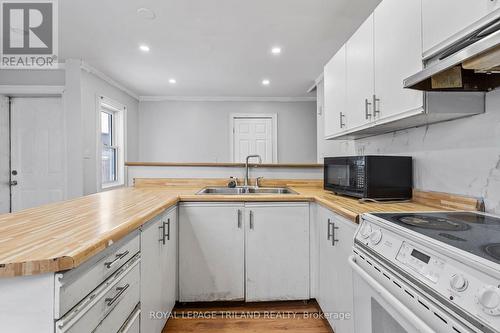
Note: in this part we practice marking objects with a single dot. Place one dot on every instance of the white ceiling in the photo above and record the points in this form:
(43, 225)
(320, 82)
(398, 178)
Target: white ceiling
(211, 47)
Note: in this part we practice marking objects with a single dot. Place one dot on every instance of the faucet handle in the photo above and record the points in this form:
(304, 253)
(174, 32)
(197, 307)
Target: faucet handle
(233, 182)
(257, 181)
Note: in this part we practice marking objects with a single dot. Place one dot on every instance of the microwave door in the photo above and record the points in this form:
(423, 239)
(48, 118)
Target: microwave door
(338, 175)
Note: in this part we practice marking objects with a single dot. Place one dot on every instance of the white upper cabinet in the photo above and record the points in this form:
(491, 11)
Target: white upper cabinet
(444, 18)
(398, 55)
(359, 61)
(335, 94)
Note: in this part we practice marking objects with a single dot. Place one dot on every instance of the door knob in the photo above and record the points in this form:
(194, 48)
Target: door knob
(13, 182)
(14, 172)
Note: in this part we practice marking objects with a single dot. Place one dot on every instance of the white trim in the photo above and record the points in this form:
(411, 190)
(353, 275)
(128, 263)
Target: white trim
(21, 90)
(224, 99)
(92, 70)
(122, 138)
(274, 118)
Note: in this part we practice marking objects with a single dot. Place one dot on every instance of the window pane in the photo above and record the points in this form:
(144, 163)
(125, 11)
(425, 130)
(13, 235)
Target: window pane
(109, 165)
(107, 128)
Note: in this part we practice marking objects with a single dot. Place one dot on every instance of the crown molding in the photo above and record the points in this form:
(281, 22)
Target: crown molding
(224, 99)
(90, 69)
(316, 83)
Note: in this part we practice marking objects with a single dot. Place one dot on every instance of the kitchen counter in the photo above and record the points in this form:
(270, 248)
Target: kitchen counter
(63, 235)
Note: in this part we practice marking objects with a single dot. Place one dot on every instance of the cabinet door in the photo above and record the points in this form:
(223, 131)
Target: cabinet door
(277, 251)
(151, 276)
(342, 297)
(359, 55)
(335, 94)
(327, 266)
(211, 252)
(398, 54)
(169, 260)
(335, 293)
(444, 18)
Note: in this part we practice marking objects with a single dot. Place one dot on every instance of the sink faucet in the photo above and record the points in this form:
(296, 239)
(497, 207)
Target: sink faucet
(247, 167)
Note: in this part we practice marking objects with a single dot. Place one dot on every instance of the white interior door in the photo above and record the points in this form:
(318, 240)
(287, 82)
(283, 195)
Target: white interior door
(4, 156)
(254, 136)
(37, 151)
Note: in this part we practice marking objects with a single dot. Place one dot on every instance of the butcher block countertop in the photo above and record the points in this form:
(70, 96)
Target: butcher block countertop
(61, 236)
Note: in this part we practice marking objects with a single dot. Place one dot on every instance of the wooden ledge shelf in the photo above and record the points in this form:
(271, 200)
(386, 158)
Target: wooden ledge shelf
(226, 165)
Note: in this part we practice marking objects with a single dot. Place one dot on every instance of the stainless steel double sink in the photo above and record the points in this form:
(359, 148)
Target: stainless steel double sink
(245, 190)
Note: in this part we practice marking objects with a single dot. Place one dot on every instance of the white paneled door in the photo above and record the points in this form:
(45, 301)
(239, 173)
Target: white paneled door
(254, 136)
(37, 151)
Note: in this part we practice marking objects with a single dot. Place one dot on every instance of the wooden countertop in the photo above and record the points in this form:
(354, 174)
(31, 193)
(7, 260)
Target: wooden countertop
(63, 235)
(214, 164)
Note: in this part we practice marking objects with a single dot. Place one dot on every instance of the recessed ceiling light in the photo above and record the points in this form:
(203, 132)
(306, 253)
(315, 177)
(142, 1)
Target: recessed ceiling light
(146, 13)
(276, 50)
(144, 48)
(172, 81)
(266, 82)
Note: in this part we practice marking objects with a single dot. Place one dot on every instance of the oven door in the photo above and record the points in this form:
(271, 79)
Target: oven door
(376, 310)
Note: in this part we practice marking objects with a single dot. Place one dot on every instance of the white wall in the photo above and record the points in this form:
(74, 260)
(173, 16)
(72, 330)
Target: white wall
(4, 156)
(460, 156)
(32, 77)
(92, 88)
(179, 131)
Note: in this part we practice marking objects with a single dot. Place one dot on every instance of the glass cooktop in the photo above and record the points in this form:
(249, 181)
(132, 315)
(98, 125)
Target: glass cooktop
(472, 232)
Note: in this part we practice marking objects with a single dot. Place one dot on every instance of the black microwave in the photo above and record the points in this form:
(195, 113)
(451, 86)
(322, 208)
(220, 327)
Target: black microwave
(370, 177)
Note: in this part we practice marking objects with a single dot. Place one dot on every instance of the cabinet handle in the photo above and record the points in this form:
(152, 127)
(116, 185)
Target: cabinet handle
(342, 124)
(251, 220)
(120, 291)
(118, 257)
(328, 234)
(376, 112)
(168, 229)
(368, 115)
(239, 218)
(333, 234)
(162, 228)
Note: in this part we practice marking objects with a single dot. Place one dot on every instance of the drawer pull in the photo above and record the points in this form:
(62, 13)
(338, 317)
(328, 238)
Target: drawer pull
(118, 257)
(121, 290)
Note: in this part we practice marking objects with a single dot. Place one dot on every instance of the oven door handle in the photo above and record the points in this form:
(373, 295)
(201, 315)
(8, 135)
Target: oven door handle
(389, 298)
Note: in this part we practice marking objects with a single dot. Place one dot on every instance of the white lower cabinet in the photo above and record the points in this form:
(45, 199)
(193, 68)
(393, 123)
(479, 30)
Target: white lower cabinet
(277, 251)
(211, 252)
(254, 252)
(335, 293)
(158, 271)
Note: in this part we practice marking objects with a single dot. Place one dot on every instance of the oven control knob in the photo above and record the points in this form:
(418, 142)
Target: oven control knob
(366, 231)
(376, 237)
(458, 282)
(489, 300)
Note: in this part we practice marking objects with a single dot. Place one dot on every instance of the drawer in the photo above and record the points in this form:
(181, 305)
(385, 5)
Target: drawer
(74, 285)
(109, 306)
(132, 325)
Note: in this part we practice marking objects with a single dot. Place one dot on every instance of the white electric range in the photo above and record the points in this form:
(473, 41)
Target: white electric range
(427, 272)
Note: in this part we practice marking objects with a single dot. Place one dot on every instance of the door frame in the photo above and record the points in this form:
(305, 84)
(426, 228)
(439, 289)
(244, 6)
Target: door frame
(274, 124)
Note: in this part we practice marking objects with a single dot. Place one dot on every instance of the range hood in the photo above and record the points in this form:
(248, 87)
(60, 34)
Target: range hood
(469, 61)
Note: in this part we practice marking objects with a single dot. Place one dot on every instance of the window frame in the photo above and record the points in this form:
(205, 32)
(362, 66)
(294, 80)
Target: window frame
(118, 141)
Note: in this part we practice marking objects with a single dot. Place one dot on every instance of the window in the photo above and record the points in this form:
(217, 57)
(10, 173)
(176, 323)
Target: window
(112, 143)
(109, 151)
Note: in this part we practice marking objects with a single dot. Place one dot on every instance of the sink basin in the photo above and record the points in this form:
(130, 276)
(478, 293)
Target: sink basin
(246, 190)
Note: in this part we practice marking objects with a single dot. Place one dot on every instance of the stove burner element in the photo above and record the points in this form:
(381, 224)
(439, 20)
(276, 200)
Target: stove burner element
(493, 250)
(432, 222)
